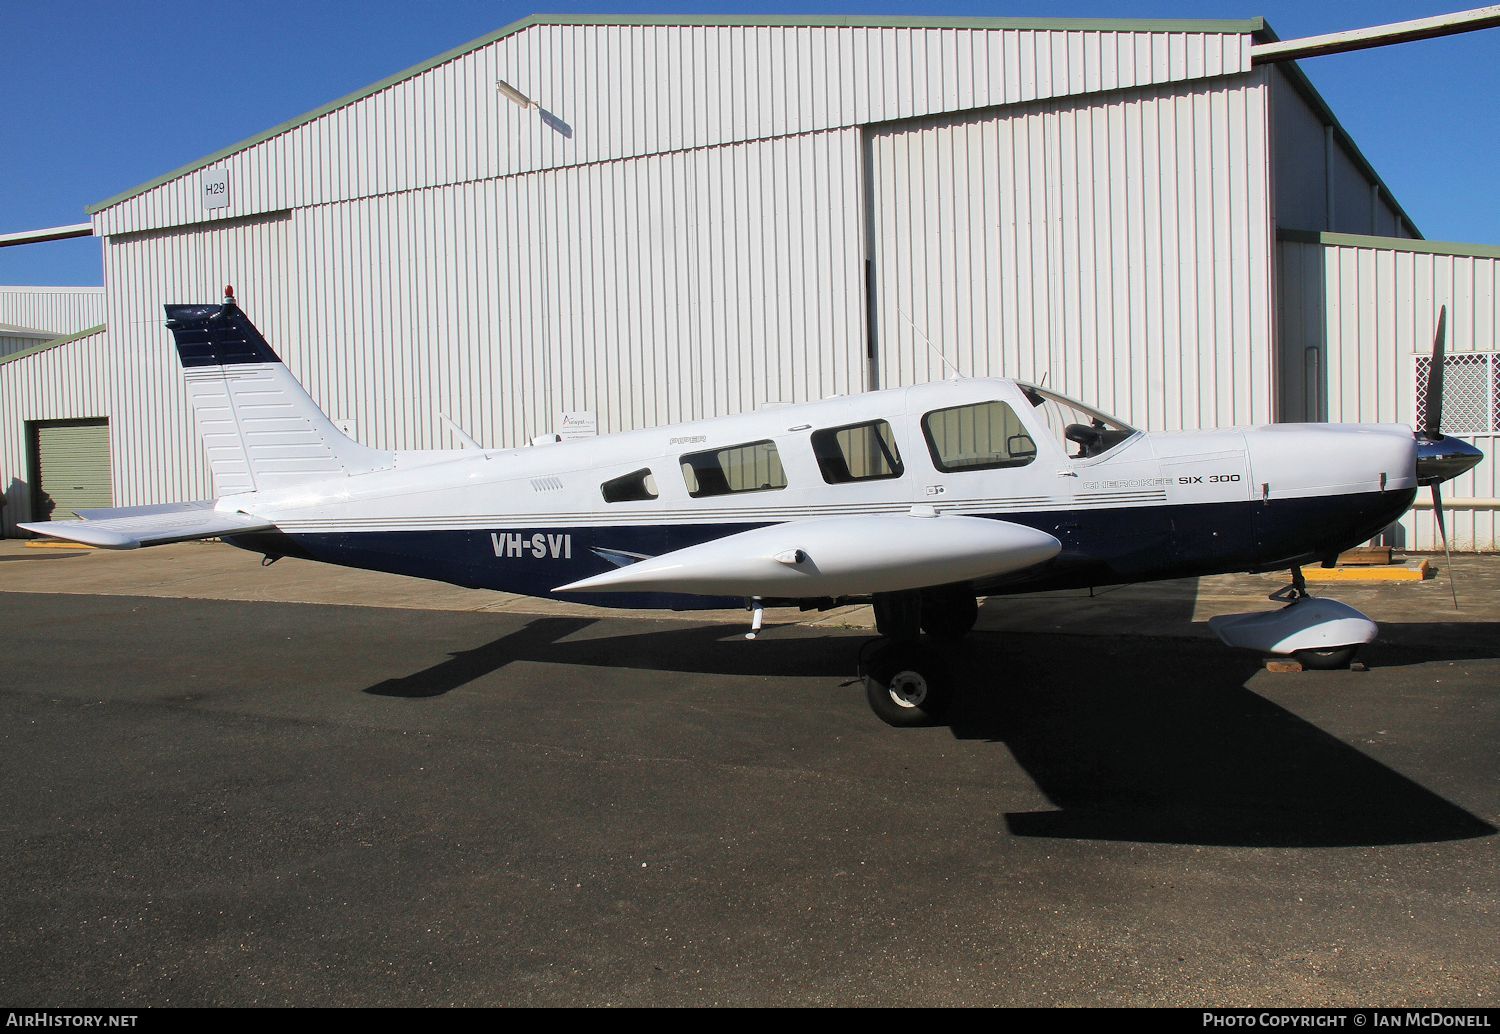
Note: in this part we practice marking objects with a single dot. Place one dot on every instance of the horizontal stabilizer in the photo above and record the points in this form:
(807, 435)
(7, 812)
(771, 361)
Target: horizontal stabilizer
(133, 527)
(836, 556)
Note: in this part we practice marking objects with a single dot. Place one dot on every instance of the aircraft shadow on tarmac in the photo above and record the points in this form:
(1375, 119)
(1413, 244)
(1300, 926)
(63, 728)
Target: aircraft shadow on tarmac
(1427, 643)
(1143, 740)
(1176, 748)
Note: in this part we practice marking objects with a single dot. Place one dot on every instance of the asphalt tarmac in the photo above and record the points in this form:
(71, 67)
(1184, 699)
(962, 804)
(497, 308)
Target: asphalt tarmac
(220, 802)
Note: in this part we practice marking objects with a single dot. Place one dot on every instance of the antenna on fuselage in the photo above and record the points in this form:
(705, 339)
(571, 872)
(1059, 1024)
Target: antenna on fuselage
(934, 349)
(460, 433)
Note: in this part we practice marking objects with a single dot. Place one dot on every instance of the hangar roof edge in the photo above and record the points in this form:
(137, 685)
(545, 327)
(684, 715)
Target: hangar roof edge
(1206, 25)
(54, 343)
(16, 330)
(1415, 245)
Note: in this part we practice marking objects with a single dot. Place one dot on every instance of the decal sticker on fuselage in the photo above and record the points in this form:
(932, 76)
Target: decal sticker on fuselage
(519, 545)
(1212, 479)
(1154, 482)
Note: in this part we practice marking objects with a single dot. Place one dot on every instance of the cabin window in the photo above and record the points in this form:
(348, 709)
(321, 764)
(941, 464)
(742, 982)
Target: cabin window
(635, 487)
(859, 452)
(741, 468)
(981, 436)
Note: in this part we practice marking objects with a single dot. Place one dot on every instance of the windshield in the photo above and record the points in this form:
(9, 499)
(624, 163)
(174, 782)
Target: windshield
(1084, 431)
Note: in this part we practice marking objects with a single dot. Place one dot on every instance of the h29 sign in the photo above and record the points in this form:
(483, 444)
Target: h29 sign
(215, 189)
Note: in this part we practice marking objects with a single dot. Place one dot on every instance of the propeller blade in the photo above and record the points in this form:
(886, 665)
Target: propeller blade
(1433, 401)
(1437, 510)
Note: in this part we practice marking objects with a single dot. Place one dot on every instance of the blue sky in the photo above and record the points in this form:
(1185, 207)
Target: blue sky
(102, 96)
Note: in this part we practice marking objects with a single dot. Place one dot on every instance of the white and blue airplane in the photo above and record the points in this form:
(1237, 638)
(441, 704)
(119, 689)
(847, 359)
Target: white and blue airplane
(918, 499)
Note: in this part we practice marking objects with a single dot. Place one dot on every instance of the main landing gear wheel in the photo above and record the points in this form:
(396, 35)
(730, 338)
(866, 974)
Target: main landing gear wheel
(908, 684)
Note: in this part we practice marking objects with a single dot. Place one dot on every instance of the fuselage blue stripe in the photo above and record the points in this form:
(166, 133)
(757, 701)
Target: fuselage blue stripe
(1100, 546)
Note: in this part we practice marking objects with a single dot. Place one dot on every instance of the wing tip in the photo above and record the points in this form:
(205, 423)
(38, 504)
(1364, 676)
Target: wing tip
(97, 537)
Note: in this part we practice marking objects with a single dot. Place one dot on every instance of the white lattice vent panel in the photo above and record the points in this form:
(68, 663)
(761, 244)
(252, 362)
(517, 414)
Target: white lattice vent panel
(1471, 394)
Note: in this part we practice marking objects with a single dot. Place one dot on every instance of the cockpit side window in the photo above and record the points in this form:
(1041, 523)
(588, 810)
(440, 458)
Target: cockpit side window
(981, 436)
(858, 452)
(754, 467)
(637, 486)
(1083, 431)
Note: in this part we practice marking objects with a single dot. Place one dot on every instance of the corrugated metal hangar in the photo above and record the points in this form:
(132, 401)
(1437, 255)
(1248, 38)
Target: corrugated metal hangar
(31, 316)
(656, 220)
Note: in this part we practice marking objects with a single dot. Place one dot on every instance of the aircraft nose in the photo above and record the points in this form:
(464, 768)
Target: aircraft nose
(1291, 460)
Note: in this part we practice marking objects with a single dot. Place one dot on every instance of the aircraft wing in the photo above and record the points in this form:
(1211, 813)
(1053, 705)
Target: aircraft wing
(136, 526)
(837, 556)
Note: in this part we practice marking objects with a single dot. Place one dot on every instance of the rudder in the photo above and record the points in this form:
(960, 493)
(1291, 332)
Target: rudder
(260, 428)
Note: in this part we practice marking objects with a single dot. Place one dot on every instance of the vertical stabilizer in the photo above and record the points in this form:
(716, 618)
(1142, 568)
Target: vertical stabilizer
(260, 428)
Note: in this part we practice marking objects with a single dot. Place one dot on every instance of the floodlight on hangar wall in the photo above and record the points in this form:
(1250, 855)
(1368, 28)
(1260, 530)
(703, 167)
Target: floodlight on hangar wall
(515, 95)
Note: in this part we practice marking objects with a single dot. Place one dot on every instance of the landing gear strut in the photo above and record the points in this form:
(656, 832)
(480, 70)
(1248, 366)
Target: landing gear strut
(909, 682)
(949, 613)
(1293, 592)
(898, 615)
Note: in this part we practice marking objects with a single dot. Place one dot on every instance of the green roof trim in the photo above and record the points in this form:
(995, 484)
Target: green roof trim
(1362, 240)
(54, 343)
(1205, 25)
(1304, 86)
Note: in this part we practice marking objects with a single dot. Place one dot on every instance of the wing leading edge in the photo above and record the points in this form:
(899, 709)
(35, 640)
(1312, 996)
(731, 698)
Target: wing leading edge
(134, 527)
(837, 556)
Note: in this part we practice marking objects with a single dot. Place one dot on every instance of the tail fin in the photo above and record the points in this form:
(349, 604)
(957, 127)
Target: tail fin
(260, 428)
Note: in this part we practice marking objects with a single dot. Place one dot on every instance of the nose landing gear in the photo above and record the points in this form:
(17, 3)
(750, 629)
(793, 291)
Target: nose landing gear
(1322, 634)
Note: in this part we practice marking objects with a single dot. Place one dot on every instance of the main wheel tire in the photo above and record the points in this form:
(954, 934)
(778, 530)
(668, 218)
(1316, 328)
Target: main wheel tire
(908, 684)
(1335, 658)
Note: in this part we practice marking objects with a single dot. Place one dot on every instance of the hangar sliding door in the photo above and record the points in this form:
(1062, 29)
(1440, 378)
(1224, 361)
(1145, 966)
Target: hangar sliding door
(1115, 243)
(70, 467)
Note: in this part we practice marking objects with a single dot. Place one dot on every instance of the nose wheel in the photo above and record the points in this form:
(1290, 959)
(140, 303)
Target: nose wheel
(1336, 658)
(908, 684)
